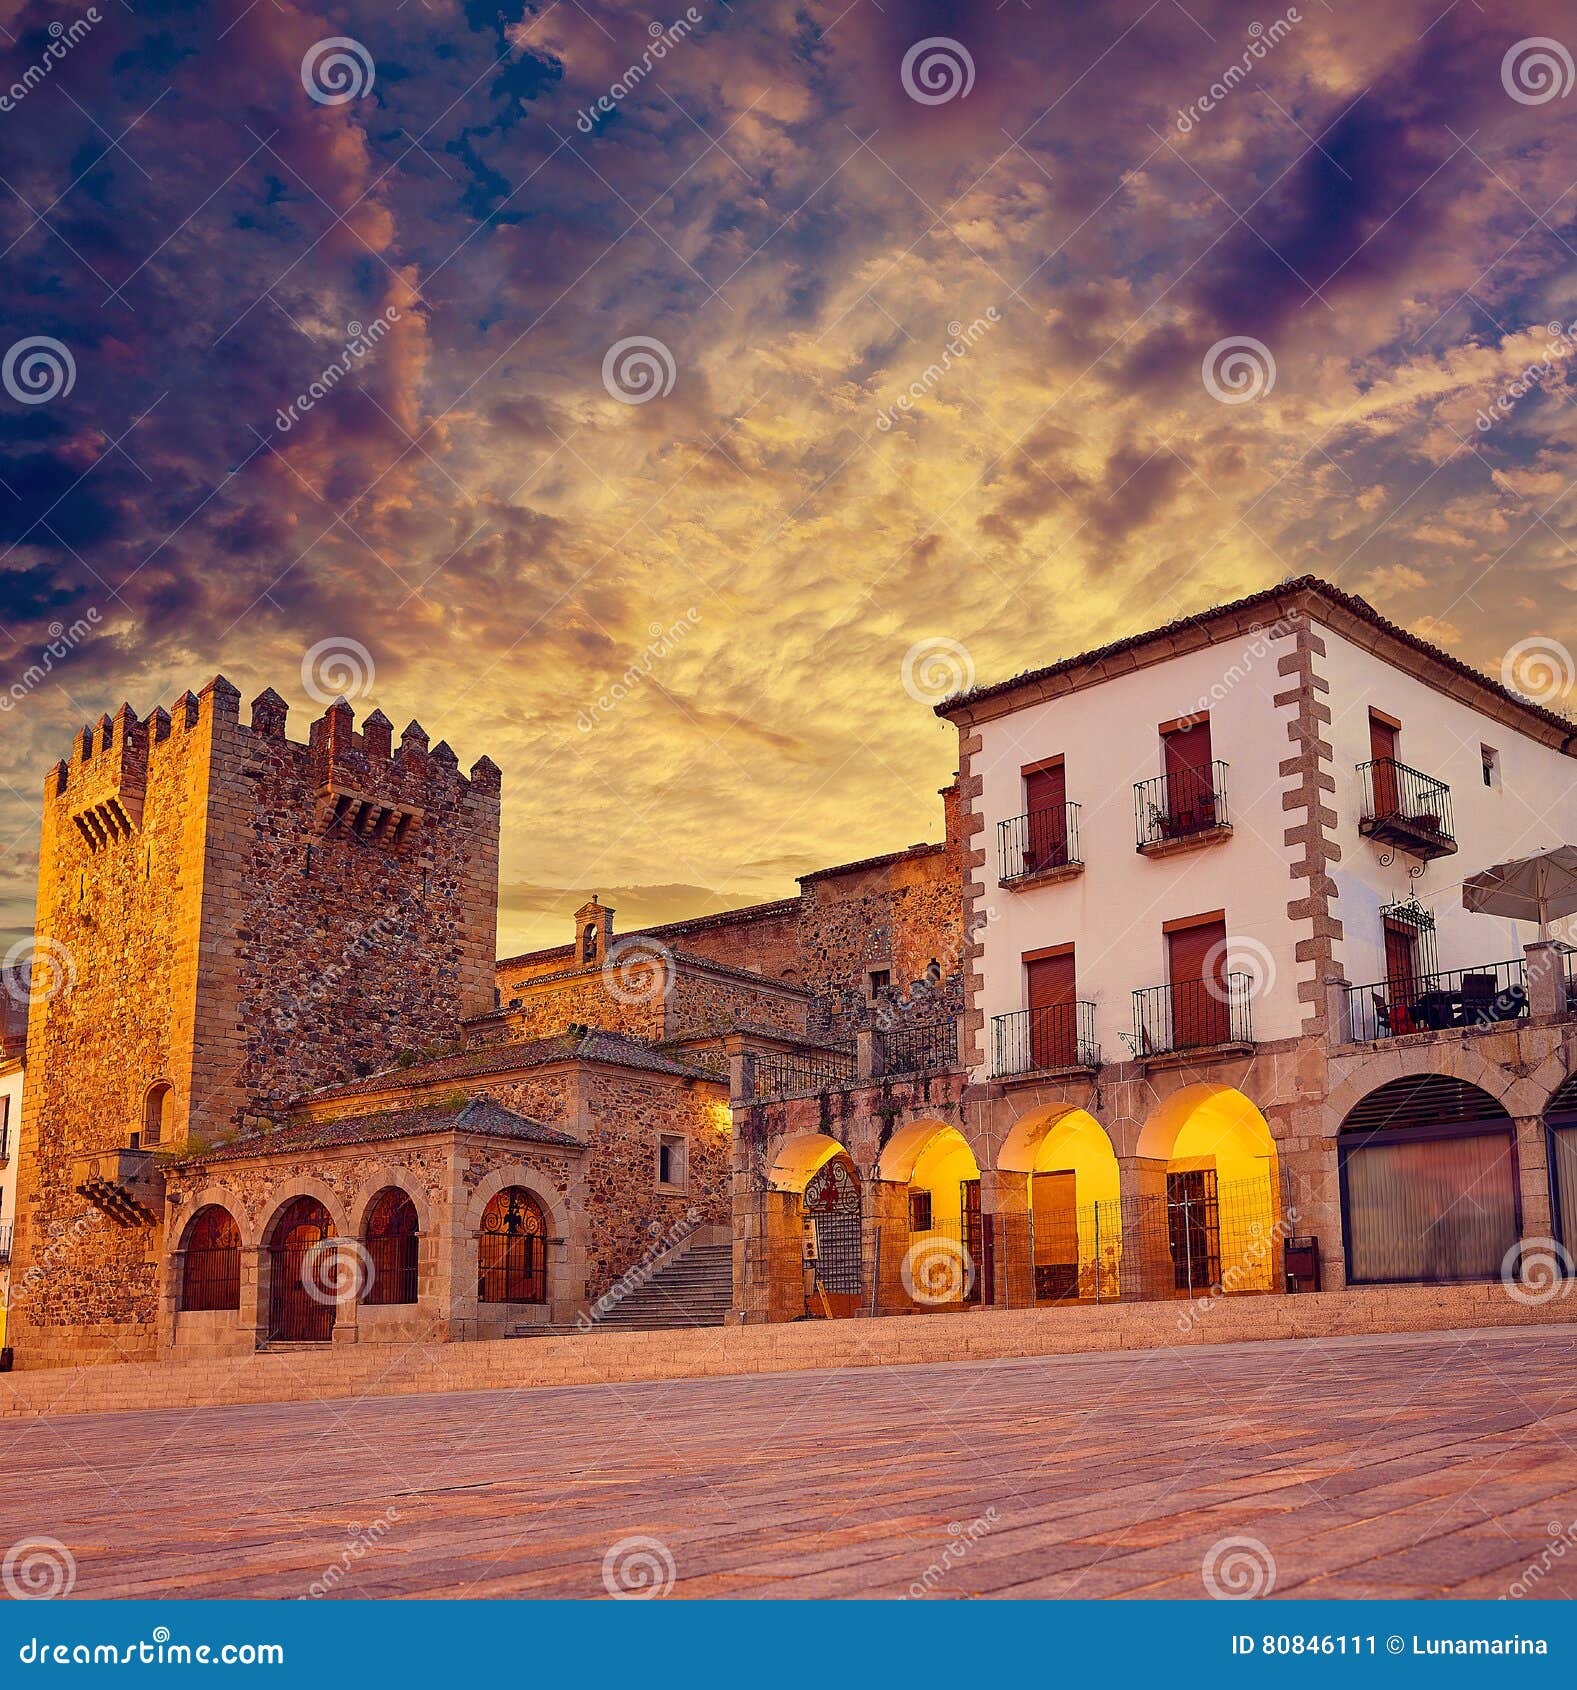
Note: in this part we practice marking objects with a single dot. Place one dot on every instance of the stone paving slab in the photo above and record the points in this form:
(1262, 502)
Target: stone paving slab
(1426, 1464)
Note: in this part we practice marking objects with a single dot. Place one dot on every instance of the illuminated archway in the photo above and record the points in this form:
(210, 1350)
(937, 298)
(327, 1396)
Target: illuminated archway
(1210, 1196)
(1072, 1197)
(798, 1157)
(944, 1253)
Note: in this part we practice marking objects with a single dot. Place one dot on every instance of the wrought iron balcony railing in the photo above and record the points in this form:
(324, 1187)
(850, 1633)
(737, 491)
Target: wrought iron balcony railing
(1192, 1015)
(1407, 809)
(1181, 805)
(1482, 996)
(1039, 843)
(1033, 1040)
(802, 1074)
(920, 1049)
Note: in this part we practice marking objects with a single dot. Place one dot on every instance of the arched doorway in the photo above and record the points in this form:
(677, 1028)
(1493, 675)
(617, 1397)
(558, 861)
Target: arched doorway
(833, 1239)
(1209, 1205)
(947, 1258)
(390, 1234)
(512, 1251)
(1560, 1140)
(211, 1261)
(301, 1281)
(1429, 1184)
(1073, 1228)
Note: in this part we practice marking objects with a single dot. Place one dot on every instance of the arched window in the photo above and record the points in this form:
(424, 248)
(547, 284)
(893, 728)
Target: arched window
(157, 1112)
(588, 943)
(303, 1274)
(512, 1257)
(1429, 1184)
(391, 1238)
(211, 1268)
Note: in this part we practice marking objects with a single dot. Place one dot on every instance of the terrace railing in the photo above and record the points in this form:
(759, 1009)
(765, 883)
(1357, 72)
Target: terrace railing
(920, 1049)
(1406, 808)
(1482, 996)
(801, 1073)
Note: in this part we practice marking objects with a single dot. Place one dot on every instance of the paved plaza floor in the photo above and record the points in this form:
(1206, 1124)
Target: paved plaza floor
(1412, 1465)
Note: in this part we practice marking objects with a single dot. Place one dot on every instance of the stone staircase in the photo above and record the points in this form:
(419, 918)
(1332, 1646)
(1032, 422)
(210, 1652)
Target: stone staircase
(694, 1289)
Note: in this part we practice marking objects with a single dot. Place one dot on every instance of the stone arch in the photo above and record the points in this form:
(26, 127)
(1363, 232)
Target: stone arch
(306, 1185)
(1060, 1216)
(528, 1178)
(158, 1113)
(378, 1180)
(904, 1148)
(798, 1157)
(1459, 1061)
(216, 1192)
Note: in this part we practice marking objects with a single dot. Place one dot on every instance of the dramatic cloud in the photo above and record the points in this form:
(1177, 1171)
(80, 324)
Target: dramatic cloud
(901, 355)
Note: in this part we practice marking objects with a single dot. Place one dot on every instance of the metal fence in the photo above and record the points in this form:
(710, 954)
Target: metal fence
(802, 1074)
(211, 1278)
(1179, 804)
(1036, 843)
(1192, 1015)
(1197, 1239)
(920, 1049)
(1481, 996)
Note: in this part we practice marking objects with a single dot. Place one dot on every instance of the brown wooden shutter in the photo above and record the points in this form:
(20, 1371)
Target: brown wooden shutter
(1199, 1013)
(1052, 993)
(1046, 799)
(1190, 777)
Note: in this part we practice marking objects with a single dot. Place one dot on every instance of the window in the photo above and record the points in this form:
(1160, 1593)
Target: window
(392, 1242)
(881, 979)
(5, 1129)
(211, 1268)
(1046, 820)
(1489, 761)
(157, 1113)
(1050, 990)
(1196, 956)
(588, 943)
(919, 1211)
(1190, 784)
(671, 1168)
(512, 1254)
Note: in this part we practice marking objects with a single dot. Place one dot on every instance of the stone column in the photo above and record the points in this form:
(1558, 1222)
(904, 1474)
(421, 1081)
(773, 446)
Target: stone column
(1533, 1178)
(1338, 1011)
(887, 1220)
(1145, 1269)
(1006, 1195)
(1546, 971)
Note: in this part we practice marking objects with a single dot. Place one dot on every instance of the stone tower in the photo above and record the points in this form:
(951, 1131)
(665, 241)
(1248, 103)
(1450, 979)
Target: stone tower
(225, 919)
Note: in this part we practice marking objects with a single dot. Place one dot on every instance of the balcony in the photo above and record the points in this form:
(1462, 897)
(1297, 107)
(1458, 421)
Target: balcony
(126, 1184)
(5, 1244)
(1041, 1041)
(801, 1074)
(1042, 846)
(1405, 809)
(1192, 1015)
(1178, 811)
(920, 1049)
(1485, 996)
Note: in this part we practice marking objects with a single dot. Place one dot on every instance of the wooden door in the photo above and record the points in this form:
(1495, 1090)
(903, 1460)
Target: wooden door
(1197, 970)
(1190, 778)
(1401, 975)
(1382, 749)
(974, 1240)
(1193, 1229)
(1055, 1217)
(1053, 1034)
(1046, 799)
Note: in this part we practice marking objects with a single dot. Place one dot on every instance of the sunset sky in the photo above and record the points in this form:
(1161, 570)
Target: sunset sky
(476, 506)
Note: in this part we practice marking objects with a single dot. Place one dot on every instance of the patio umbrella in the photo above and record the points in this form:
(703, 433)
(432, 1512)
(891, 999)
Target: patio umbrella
(1537, 888)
